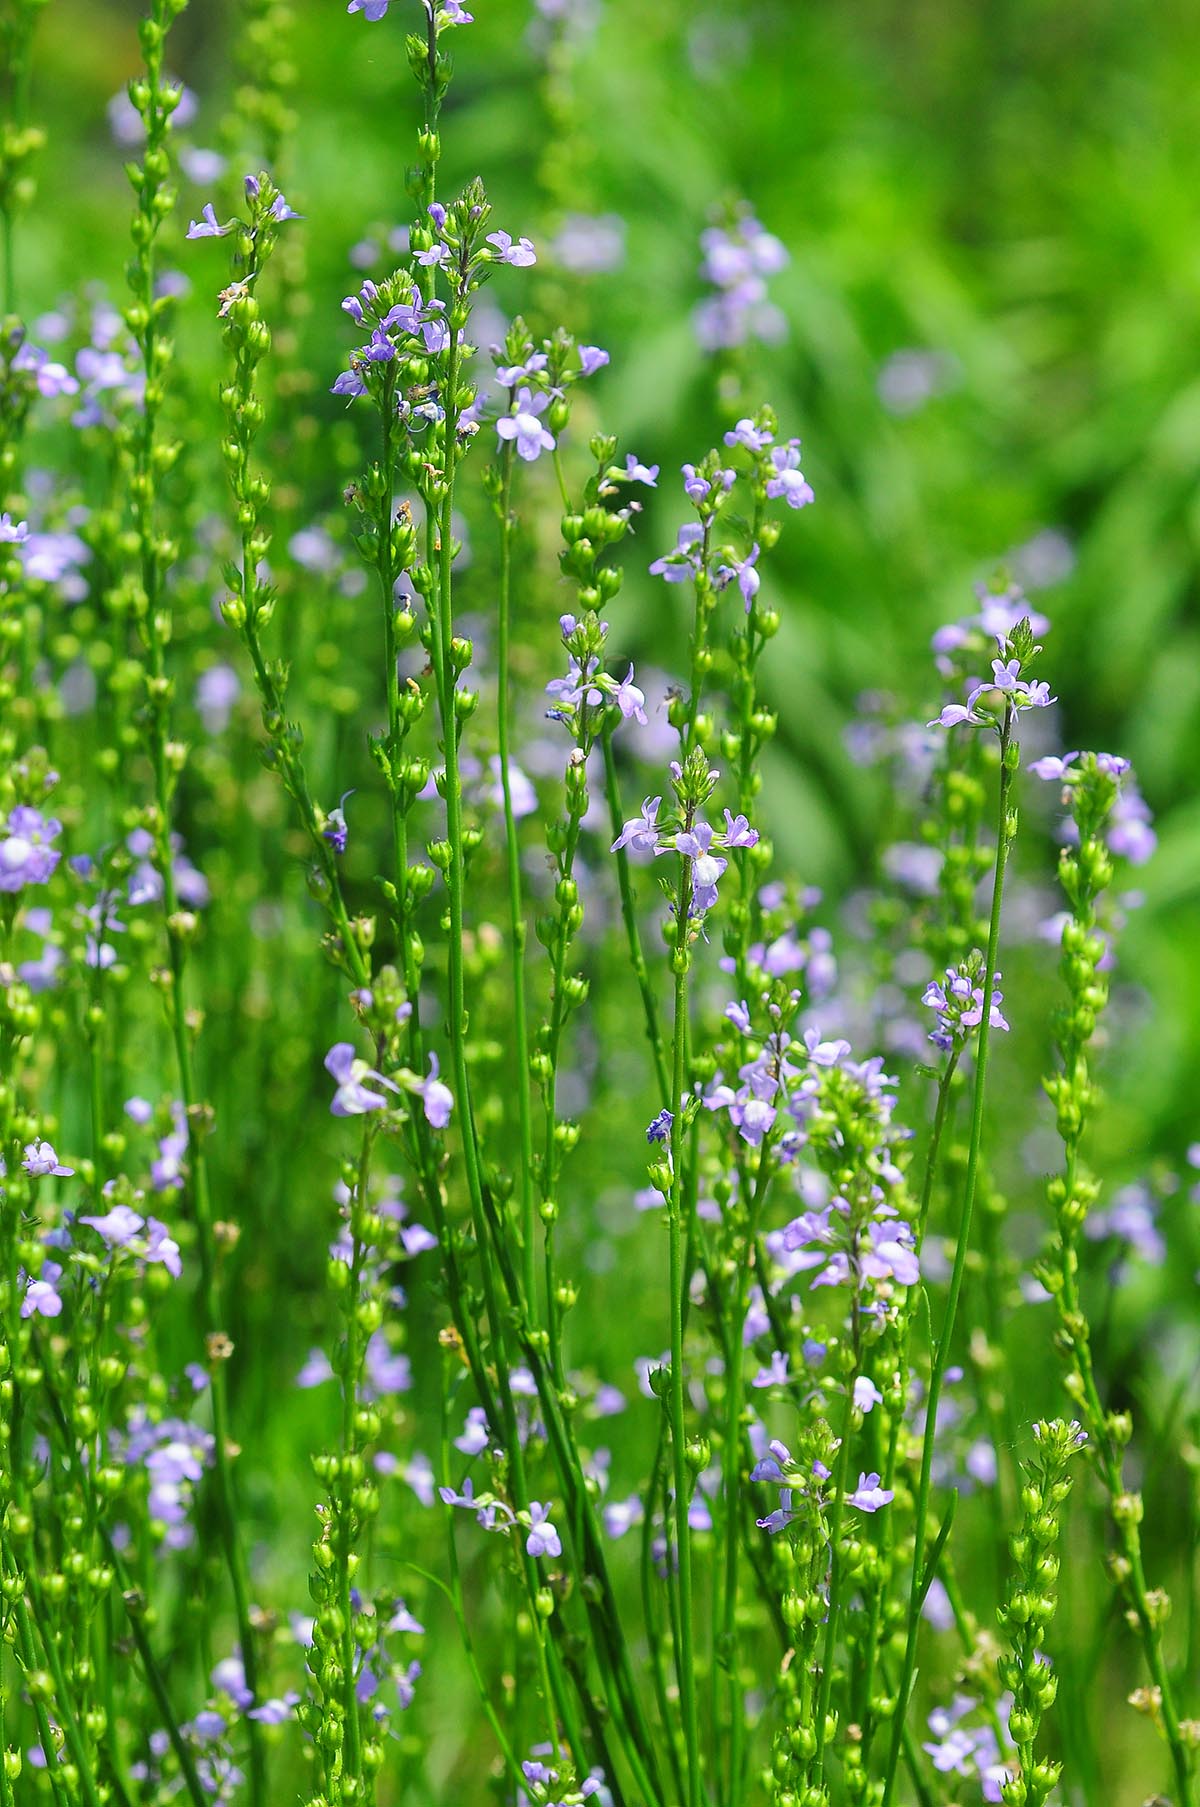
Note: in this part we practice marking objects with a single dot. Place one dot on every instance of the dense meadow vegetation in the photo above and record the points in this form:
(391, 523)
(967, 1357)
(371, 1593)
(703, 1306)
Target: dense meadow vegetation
(599, 858)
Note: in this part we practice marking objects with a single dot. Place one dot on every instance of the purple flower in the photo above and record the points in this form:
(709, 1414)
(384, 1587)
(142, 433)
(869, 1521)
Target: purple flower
(280, 211)
(26, 856)
(543, 1539)
(1006, 678)
(117, 1227)
(353, 1097)
(890, 1256)
(659, 1130)
(350, 383)
(642, 832)
(335, 830)
(866, 1393)
(707, 867)
(749, 434)
(474, 1438)
(738, 833)
(640, 473)
(370, 9)
(512, 374)
(41, 1160)
(389, 1371)
(788, 481)
(162, 1248)
(869, 1496)
(782, 1515)
(316, 1370)
(207, 226)
(743, 570)
(41, 1295)
(776, 1375)
(13, 533)
(436, 1096)
(274, 1712)
(591, 359)
(681, 564)
(523, 425)
(520, 254)
(629, 699)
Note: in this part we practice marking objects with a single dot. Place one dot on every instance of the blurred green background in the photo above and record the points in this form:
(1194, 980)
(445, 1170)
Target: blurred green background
(1011, 189)
(1002, 197)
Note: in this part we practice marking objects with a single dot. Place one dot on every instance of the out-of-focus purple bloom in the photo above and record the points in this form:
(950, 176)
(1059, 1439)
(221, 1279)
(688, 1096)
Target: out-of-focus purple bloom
(42, 1295)
(370, 9)
(776, 1374)
(473, 1439)
(389, 1371)
(316, 1370)
(217, 690)
(200, 166)
(591, 359)
(866, 1394)
(589, 245)
(50, 377)
(117, 1227)
(275, 1711)
(737, 258)
(26, 856)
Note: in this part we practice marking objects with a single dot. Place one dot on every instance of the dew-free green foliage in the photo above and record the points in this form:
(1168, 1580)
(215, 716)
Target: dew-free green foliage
(281, 680)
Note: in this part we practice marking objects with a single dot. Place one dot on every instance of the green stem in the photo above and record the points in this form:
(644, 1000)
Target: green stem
(732, 1480)
(941, 1357)
(676, 1286)
(641, 971)
(833, 1616)
(516, 909)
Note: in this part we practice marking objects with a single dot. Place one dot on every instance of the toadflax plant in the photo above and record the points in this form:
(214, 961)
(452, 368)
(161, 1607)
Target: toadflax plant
(507, 1290)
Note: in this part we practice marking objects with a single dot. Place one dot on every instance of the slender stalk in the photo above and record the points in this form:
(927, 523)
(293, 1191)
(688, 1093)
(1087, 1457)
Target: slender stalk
(516, 908)
(833, 1616)
(677, 1287)
(641, 971)
(734, 1403)
(941, 1355)
(150, 455)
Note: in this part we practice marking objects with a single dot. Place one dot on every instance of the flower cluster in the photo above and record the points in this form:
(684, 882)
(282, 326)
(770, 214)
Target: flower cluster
(959, 1001)
(739, 255)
